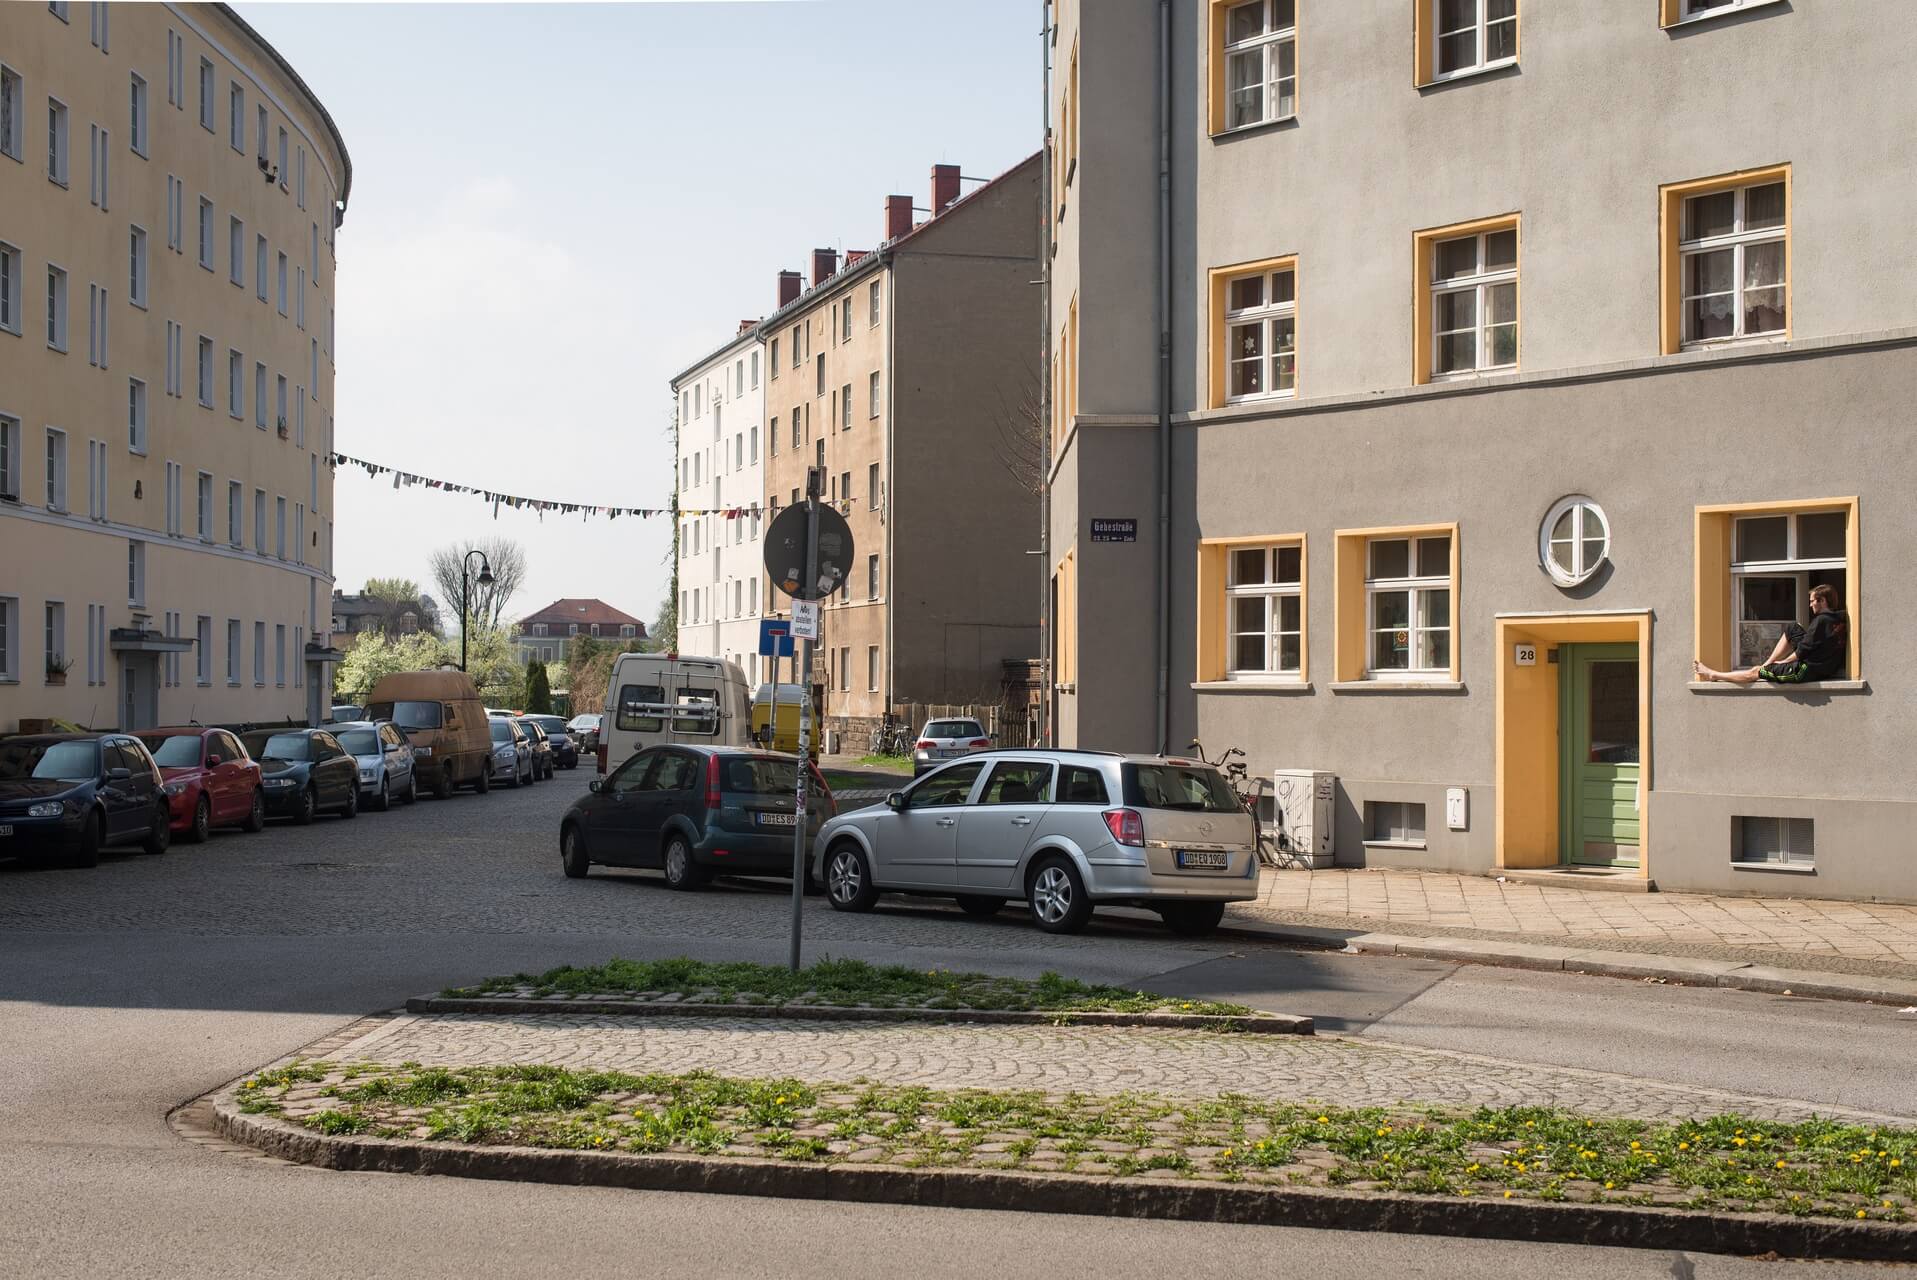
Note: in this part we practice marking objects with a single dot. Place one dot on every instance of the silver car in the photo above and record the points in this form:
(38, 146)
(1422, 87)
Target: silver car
(512, 752)
(385, 760)
(1063, 830)
(942, 740)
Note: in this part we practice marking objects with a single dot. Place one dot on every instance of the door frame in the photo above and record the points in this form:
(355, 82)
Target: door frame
(1569, 816)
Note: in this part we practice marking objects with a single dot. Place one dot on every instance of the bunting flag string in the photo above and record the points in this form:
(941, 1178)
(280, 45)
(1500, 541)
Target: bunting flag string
(514, 502)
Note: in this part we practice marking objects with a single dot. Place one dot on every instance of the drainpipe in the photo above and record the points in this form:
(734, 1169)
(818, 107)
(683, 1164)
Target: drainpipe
(1046, 391)
(1164, 371)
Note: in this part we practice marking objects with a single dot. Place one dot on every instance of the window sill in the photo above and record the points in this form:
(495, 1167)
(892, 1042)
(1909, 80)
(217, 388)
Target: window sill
(1758, 340)
(1398, 686)
(1260, 127)
(1819, 686)
(1470, 73)
(1395, 844)
(1684, 24)
(1251, 686)
(1234, 402)
(1788, 868)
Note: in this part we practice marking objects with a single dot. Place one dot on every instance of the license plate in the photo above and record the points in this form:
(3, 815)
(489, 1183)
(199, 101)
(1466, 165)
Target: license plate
(1202, 860)
(777, 820)
(6, 831)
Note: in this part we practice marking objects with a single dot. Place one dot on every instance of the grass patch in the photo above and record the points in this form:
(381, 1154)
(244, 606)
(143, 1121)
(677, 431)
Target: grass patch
(888, 764)
(1713, 1164)
(842, 982)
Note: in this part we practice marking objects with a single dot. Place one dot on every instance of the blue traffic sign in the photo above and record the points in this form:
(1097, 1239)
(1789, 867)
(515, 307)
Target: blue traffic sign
(775, 637)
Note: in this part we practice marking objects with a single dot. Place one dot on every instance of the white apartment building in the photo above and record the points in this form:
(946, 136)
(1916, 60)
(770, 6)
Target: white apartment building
(721, 416)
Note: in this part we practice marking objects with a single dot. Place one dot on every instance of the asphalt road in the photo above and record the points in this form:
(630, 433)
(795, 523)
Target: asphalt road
(129, 989)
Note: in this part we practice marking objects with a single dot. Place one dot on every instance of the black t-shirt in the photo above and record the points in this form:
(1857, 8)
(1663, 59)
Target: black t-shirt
(1826, 643)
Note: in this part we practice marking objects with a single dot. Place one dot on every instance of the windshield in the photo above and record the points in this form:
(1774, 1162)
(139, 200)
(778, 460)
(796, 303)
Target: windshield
(551, 724)
(1197, 788)
(502, 732)
(407, 715)
(175, 751)
(954, 729)
(50, 761)
(359, 742)
(278, 746)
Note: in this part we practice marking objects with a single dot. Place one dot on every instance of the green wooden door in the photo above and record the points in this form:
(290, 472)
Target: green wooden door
(1598, 748)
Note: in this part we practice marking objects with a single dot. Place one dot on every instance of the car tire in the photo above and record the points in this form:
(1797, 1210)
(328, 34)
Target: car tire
(848, 878)
(443, 787)
(1057, 895)
(385, 800)
(573, 859)
(681, 871)
(159, 833)
(485, 782)
(412, 790)
(309, 805)
(514, 784)
(86, 853)
(351, 808)
(1192, 919)
(974, 905)
(202, 821)
(256, 816)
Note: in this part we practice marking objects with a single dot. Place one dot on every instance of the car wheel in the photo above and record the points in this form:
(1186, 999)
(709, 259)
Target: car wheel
(1192, 919)
(202, 821)
(309, 805)
(159, 832)
(443, 788)
(485, 782)
(515, 782)
(412, 789)
(681, 871)
(973, 905)
(86, 853)
(256, 816)
(1057, 895)
(384, 801)
(572, 852)
(848, 879)
(351, 808)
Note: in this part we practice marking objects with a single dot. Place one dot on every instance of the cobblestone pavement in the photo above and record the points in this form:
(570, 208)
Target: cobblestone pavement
(1869, 938)
(1053, 1059)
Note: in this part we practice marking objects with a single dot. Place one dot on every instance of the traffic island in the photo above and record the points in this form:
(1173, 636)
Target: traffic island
(1722, 1183)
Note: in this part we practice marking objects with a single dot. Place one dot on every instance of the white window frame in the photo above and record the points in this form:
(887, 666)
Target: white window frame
(1269, 318)
(279, 527)
(1694, 10)
(56, 469)
(204, 372)
(13, 265)
(206, 233)
(1379, 814)
(1588, 523)
(235, 385)
(1480, 27)
(54, 631)
(203, 649)
(56, 307)
(137, 266)
(135, 572)
(259, 395)
(136, 416)
(96, 480)
(259, 266)
(173, 471)
(236, 250)
(236, 116)
(279, 655)
(282, 284)
(1480, 285)
(206, 94)
(1414, 588)
(9, 639)
(13, 112)
(259, 521)
(1268, 49)
(58, 133)
(234, 656)
(1737, 242)
(203, 496)
(137, 114)
(235, 514)
(12, 458)
(1779, 851)
(259, 654)
(1799, 568)
(1273, 592)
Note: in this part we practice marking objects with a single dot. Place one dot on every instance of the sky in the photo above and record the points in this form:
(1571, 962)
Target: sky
(556, 208)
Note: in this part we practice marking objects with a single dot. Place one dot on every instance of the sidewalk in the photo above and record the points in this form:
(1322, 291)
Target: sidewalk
(1758, 943)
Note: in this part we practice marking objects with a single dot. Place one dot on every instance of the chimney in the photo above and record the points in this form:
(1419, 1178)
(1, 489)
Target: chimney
(945, 186)
(746, 326)
(898, 216)
(789, 287)
(853, 255)
(825, 262)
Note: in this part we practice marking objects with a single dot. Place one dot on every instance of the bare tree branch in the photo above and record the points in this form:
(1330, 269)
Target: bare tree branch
(506, 558)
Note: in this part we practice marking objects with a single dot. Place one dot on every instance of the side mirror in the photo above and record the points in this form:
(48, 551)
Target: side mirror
(119, 775)
(896, 802)
(595, 785)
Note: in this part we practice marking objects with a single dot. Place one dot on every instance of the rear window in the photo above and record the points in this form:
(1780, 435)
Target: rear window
(360, 742)
(632, 699)
(954, 729)
(407, 715)
(759, 775)
(1195, 788)
(175, 751)
(551, 724)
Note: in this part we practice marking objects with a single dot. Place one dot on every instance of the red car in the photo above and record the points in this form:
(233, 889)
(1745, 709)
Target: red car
(210, 780)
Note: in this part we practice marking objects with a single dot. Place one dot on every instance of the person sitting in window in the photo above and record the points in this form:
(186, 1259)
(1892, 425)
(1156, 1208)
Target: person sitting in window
(1803, 654)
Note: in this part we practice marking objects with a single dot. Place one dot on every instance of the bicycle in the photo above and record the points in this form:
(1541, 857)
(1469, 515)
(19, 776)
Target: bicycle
(1251, 793)
(892, 740)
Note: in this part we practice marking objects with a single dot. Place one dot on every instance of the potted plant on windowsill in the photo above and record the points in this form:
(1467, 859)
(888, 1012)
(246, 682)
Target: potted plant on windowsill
(57, 669)
(283, 432)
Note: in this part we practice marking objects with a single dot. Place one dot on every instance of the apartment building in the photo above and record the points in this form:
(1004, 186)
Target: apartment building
(169, 194)
(897, 371)
(721, 416)
(1507, 372)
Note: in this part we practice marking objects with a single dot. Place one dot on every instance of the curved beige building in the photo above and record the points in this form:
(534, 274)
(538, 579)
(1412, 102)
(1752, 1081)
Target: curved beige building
(170, 191)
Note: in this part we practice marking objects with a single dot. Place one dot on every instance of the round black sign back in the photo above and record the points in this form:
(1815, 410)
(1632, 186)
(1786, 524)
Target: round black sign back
(785, 553)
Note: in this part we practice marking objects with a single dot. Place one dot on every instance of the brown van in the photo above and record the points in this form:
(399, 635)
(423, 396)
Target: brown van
(446, 722)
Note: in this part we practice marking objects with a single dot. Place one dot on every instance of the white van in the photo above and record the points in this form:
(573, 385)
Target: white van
(655, 698)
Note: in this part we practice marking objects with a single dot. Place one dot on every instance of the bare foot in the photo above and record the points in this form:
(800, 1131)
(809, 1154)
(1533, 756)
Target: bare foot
(1703, 672)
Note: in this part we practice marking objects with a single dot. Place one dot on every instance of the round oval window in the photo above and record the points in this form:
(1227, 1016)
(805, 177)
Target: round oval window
(1574, 540)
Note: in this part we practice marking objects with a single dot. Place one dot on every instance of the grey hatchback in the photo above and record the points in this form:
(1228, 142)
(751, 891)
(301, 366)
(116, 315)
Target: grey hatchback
(1064, 830)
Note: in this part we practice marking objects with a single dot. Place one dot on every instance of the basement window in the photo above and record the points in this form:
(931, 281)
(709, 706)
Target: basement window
(1394, 823)
(1774, 843)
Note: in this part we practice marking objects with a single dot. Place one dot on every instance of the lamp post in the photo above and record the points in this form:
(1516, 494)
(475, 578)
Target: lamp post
(466, 594)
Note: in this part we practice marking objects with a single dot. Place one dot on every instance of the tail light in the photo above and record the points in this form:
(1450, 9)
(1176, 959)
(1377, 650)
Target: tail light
(925, 744)
(1127, 826)
(712, 781)
(599, 758)
(980, 742)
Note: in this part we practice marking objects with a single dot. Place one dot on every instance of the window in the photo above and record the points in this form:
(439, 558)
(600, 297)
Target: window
(11, 463)
(135, 416)
(259, 521)
(173, 499)
(872, 577)
(12, 265)
(279, 654)
(206, 95)
(56, 469)
(873, 305)
(279, 527)
(1573, 541)
(821, 374)
(299, 169)
(56, 141)
(1729, 260)
(299, 296)
(1676, 11)
(206, 233)
(1264, 603)
(753, 437)
(96, 479)
(845, 320)
(260, 131)
(9, 639)
(136, 572)
(1457, 37)
(236, 251)
(947, 787)
(1256, 317)
(845, 666)
(755, 369)
(236, 116)
(13, 108)
(872, 485)
(175, 69)
(205, 496)
(235, 385)
(279, 401)
(1260, 64)
(798, 426)
(136, 116)
(136, 267)
(282, 284)
(845, 408)
(97, 143)
(1776, 557)
(1394, 822)
(203, 650)
(1408, 604)
(233, 651)
(235, 513)
(259, 395)
(772, 359)
(259, 653)
(1065, 621)
(1787, 842)
(56, 308)
(96, 324)
(1470, 320)
(205, 383)
(55, 638)
(259, 267)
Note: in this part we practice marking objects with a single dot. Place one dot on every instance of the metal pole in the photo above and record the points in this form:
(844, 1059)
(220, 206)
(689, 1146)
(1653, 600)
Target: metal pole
(805, 720)
(465, 609)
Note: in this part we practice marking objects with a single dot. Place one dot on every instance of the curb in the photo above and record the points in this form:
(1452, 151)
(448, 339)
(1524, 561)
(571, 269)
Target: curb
(1736, 975)
(1542, 1222)
(1281, 1024)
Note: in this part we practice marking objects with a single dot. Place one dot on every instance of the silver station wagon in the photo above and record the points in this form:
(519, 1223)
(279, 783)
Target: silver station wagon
(1062, 830)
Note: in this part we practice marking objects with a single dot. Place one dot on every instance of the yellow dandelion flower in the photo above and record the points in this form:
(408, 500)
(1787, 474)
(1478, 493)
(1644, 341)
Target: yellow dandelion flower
(1739, 1131)
(1882, 1154)
(1465, 1192)
(1590, 1124)
(1225, 1152)
(1471, 1168)
(1861, 1213)
(1683, 1146)
(1739, 1141)
(1634, 1146)
(1779, 1165)
(1321, 1120)
(1887, 1204)
(1896, 1164)
(1507, 1195)
(252, 1084)
(1610, 1186)
(1520, 1166)
(1530, 1124)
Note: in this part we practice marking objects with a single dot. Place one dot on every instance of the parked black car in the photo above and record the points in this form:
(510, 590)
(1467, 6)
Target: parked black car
(72, 794)
(565, 749)
(304, 772)
(541, 743)
(693, 812)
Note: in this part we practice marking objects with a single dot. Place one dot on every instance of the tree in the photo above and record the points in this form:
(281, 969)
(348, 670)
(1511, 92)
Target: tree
(493, 665)
(1024, 442)
(665, 629)
(376, 656)
(507, 560)
(397, 597)
(538, 692)
(589, 666)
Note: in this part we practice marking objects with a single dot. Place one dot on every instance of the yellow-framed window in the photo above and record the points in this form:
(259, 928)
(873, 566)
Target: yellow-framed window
(1466, 297)
(1395, 603)
(1672, 13)
(1755, 566)
(1252, 608)
(1252, 57)
(1254, 331)
(1725, 248)
(1065, 620)
(1454, 38)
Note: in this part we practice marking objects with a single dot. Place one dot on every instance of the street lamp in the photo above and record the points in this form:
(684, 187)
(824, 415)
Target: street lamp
(466, 594)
